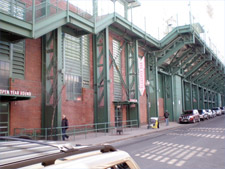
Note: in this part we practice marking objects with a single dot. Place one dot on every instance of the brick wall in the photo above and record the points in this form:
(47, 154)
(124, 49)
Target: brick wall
(27, 114)
(81, 112)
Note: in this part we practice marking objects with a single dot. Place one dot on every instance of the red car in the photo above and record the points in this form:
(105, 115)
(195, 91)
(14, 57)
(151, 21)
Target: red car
(190, 116)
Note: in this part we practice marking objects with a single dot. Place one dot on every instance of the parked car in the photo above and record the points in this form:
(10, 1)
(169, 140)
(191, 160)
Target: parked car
(189, 116)
(36, 154)
(222, 110)
(210, 113)
(217, 110)
(214, 113)
(203, 114)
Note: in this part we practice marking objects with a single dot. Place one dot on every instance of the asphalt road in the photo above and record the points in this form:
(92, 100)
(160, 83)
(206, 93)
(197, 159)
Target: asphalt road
(200, 145)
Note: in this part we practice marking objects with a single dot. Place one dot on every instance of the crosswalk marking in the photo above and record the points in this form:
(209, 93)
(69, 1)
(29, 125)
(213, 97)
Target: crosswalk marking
(164, 160)
(172, 161)
(190, 155)
(183, 153)
(180, 163)
(159, 152)
(213, 151)
(145, 155)
(150, 157)
(200, 154)
(158, 158)
(175, 154)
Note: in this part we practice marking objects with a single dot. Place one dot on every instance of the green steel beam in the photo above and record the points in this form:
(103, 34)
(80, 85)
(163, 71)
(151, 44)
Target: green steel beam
(211, 79)
(170, 53)
(184, 63)
(137, 82)
(188, 64)
(95, 72)
(187, 52)
(202, 73)
(207, 76)
(118, 71)
(195, 68)
(106, 78)
(14, 25)
(59, 75)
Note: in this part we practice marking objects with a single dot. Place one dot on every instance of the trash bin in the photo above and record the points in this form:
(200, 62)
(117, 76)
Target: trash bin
(154, 122)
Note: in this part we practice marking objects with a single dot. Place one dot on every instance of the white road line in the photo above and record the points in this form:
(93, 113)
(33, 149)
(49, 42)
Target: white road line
(137, 155)
(152, 156)
(200, 148)
(159, 152)
(182, 154)
(190, 155)
(213, 151)
(172, 161)
(200, 154)
(176, 152)
(156, 142)
(156, 147)
(164, 160)
(180, 146)
(145, 155)
(192, 148)
(168, 152)
(153, 151)
(186, 146)
(180, 163)
(158, 158)
(206, 150)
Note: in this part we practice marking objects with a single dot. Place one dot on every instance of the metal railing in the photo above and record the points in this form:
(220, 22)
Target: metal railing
(81, 131)
(35, 10)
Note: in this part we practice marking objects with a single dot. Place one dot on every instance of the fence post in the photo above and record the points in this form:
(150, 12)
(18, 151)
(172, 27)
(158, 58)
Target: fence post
(46, 137)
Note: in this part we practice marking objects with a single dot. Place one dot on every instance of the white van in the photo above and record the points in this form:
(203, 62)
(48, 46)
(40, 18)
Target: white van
(29, 154)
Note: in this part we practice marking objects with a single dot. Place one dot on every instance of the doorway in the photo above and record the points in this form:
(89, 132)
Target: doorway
(4, 119)
(118, 116)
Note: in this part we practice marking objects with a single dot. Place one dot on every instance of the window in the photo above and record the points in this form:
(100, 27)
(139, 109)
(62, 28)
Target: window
(4, 75)
(77, 65)
(15, 54)
(120, 166)
(73, 87)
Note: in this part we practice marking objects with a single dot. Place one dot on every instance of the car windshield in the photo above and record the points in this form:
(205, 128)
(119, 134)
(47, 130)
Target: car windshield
(200, 111)
(188, 112)
(215, 108)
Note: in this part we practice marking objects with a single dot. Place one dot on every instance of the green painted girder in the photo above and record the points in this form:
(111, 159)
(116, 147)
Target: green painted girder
(195, 68)
(196, 73)
(118, 71)
(137, 31)
(185, 62)
(202, 73)
(15, 25)
(194, 60)
(170, 53)
(187, 52)
(206, 77)
(175, 33)
(211, 79)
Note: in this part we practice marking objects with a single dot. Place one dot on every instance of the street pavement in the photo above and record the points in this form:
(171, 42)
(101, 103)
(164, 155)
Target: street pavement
(112, 136)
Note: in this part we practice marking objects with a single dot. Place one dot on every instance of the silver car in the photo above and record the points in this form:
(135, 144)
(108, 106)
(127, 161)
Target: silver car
(210, 113)
(203, 114)
(217, 110)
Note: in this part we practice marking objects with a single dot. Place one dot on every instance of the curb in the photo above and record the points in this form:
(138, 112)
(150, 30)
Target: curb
(140, 135)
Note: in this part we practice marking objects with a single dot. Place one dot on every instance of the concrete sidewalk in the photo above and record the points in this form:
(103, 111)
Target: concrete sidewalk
(112, 136)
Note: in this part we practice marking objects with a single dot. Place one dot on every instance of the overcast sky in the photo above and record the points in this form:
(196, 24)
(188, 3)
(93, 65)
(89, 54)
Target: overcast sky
(156, 15)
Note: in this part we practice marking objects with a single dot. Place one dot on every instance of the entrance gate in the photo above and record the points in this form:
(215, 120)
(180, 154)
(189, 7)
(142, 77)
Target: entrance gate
(4, 119)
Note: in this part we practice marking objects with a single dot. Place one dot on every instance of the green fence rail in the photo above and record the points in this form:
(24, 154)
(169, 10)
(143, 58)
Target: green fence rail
(74, 131)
